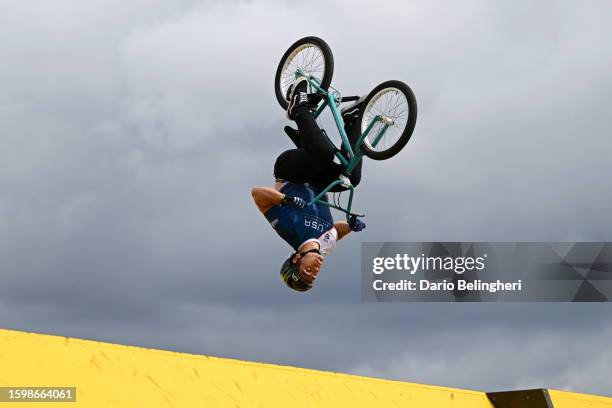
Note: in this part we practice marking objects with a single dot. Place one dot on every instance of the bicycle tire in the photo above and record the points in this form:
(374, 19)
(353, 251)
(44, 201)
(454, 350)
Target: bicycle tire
(367, 113)
(281, 80)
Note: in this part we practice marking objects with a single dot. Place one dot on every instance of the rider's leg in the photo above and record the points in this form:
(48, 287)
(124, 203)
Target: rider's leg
(315, 141)
(353, 132)
(294, 135)
(312, 138)
(298, 166)
(313, 160)
(295, 165)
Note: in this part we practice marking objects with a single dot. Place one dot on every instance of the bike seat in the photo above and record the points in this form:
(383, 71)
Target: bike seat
(353, 108)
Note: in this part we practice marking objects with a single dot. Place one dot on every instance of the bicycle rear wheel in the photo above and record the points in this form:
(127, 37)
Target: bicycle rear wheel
(313, 56)
(392, 100)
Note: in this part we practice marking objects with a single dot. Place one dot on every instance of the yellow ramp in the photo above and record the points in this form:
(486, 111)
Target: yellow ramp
(110, 375)
(563, 399)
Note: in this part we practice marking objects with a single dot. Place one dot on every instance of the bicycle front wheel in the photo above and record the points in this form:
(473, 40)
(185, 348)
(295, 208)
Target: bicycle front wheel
(394, 103)
(313, 57)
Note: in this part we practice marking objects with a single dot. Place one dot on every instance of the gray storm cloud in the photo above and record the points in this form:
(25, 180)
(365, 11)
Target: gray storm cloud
(132, 133)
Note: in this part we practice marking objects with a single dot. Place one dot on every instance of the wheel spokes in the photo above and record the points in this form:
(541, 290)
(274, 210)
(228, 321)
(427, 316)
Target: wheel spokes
(392, 103)
(308, 58)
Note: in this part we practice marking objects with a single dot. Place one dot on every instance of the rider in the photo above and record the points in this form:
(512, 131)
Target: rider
(300, 175)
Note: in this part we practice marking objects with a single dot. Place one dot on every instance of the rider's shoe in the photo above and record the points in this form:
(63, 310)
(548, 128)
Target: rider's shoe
(293, 86)
(297, 96)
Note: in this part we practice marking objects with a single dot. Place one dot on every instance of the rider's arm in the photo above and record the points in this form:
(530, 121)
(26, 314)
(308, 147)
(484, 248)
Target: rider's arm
(266, 198)
(343, 228)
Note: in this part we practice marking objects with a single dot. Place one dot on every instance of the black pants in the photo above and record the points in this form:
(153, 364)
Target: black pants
(313, 160)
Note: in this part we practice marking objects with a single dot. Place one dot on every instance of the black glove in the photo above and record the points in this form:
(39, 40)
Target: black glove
(355, 224)
(294, 201)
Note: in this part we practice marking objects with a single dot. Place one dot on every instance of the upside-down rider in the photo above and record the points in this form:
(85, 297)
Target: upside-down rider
(300, 175)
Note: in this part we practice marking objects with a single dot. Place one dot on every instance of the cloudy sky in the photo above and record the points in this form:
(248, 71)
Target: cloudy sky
(131, 133)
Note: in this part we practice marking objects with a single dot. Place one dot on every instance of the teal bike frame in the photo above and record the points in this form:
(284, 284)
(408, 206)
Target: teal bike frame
(354, 156)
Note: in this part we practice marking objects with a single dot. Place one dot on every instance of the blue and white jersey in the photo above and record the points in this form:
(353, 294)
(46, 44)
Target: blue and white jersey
(298, 226)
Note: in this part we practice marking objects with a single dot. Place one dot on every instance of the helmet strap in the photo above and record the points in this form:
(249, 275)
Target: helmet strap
(301, 254)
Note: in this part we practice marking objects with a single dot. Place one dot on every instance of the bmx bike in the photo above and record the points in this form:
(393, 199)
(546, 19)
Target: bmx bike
(386, 116)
